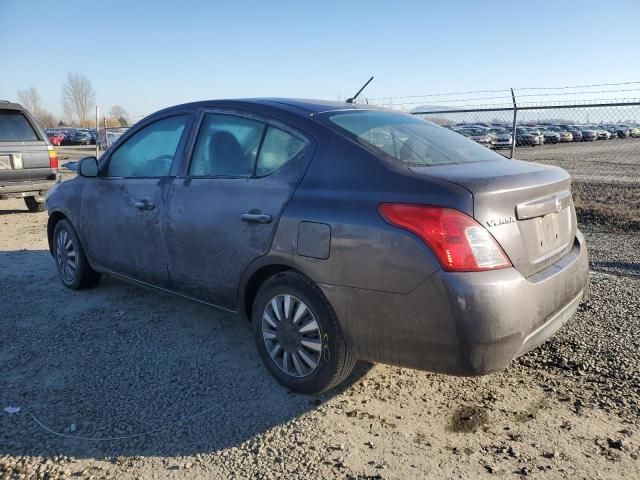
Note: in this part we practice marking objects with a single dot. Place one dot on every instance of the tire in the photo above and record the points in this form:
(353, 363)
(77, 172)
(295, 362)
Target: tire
(65, 242)
(34, 204)
(334, 359)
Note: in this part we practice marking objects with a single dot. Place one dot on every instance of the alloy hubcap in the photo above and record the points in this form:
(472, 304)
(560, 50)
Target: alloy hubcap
(66, 256)
(292, 335)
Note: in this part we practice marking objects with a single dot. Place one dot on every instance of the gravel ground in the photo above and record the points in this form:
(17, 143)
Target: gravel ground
(184, 385)
(604, 160)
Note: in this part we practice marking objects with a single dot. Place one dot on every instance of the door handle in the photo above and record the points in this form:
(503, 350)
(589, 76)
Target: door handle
(256, 217)
(144, 205)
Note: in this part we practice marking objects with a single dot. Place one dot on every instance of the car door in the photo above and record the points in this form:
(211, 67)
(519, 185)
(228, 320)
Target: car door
(122, 209)
(222, 213)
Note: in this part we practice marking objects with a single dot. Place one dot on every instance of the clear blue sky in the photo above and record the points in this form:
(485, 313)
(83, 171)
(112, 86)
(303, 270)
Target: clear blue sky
(145, 55)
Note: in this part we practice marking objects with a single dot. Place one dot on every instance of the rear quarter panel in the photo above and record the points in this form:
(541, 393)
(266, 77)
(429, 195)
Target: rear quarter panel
(343, 188)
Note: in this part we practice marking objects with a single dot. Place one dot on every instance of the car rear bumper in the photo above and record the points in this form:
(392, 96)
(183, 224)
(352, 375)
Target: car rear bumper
(463, 323)
(27, 188)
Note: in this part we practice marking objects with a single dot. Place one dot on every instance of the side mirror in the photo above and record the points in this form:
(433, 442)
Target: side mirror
(88, 167)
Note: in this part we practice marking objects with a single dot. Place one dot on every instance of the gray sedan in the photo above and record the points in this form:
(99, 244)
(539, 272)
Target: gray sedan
(339, 232)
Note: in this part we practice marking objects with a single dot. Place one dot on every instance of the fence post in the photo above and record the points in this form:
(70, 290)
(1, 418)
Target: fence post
(513, 129)
(97, 129)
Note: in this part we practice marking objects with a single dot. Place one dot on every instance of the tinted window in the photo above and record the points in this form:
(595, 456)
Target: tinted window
(15, 126)
(227, 146)
(278, 147)
(408, 139)
(150, 151)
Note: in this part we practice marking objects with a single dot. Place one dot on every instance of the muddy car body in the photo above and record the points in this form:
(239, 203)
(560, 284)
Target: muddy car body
(375, 236)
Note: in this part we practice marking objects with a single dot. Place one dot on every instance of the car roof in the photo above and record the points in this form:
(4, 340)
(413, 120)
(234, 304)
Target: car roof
(299, 106)
(5, 104)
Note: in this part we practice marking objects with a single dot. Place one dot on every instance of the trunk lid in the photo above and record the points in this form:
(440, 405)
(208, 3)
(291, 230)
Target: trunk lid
(527, 207)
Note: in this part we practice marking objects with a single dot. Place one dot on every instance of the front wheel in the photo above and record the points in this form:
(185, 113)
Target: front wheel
(73, 268)
(298, 334)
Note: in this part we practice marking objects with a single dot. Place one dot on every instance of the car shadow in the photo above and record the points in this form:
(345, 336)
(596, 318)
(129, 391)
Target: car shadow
(631, 269)
(120, 370)
(13, 211)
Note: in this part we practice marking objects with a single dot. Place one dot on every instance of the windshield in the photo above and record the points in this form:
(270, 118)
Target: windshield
(474, 132)
(408, 139)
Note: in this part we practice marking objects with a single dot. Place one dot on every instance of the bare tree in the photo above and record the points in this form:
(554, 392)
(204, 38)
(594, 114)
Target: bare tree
(46, 119)
(120, 114)
(78, 98)
(30, 99)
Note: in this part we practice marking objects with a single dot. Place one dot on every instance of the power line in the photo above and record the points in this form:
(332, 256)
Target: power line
(578, 86)
(577, 93)
(473, 92)
(440, 94)
(454, 101)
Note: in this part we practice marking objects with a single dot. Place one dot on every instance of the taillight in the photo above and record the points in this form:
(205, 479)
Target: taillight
(53, 158)
(459, 242)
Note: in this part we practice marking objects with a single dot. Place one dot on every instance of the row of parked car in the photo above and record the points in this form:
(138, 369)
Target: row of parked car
(495, 135)
(83, 136)
(71, 136)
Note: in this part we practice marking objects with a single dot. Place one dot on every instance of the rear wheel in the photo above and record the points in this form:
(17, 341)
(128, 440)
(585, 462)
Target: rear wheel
(298, 335)
(73, 268)
(34, 204)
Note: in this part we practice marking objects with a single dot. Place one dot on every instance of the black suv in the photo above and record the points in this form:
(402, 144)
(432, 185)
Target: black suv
(28, 162)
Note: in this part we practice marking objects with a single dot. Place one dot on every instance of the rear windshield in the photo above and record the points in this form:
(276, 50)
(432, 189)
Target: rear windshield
(14, 126)
(408, 139)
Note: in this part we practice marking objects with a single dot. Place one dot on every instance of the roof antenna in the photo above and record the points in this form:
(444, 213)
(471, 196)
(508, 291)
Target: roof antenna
(353, 99)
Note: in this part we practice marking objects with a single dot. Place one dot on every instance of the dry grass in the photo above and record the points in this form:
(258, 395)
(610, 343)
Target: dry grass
(613, 205)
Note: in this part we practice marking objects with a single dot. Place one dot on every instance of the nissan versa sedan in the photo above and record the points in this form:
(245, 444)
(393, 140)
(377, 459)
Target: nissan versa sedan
(340, 232)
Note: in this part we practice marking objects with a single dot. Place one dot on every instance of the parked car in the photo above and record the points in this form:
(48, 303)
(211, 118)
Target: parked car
(477, 134)
(549, 135)
(565, 135)
(55, 138)
(341, 232)
(601, 133)
(67, 136)
(501, 138)
(82, 138)
(613, 131)
(28, 162)
(538, 132)
(618, 130)
(575, 132)
(634, 130)
(525, 137)
(588, 134)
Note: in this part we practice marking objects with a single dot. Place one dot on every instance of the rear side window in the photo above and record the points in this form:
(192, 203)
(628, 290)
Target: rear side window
(234, 146)
(404, 138)
(277, 148)
(227, 146)
(150, 151)
(14, 126)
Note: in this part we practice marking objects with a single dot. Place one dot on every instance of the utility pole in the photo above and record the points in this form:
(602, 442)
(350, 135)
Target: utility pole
(513, 128)
(97, 128)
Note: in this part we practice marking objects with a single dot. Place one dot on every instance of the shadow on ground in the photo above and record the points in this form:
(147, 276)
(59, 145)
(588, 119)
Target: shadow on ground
(119, 360)
(629, 269)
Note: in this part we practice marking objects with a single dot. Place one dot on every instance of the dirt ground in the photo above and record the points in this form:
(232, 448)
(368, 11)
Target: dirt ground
(121, 382)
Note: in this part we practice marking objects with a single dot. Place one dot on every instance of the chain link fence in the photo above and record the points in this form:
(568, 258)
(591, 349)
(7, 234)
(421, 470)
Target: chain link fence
(598, 143)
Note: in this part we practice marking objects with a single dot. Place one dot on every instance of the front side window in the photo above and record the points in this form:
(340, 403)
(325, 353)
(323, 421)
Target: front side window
(150, 151)
(407, 139)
